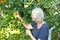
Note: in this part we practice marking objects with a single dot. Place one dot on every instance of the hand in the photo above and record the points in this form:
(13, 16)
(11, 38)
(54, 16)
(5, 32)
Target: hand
(17, 14)
(28, 32)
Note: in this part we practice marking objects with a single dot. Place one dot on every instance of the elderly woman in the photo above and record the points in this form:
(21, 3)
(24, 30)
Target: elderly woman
(40, 30)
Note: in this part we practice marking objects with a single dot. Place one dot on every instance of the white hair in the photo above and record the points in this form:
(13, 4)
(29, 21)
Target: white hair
(38, 14)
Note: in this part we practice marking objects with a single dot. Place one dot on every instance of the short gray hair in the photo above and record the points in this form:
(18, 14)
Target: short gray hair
(38, 14)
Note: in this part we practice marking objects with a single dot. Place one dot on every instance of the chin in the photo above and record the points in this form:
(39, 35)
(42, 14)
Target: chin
(33, 20)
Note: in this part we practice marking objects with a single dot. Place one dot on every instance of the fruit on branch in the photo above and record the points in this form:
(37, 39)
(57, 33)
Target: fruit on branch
(3, 1)
(37, 1)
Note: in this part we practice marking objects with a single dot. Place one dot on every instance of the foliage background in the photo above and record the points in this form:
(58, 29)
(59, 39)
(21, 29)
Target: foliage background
(12, 29)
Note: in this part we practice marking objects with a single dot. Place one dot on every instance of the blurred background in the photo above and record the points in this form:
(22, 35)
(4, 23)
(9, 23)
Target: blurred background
(12, 29)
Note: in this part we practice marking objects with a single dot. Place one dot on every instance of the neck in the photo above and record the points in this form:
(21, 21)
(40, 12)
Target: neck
(39, 24)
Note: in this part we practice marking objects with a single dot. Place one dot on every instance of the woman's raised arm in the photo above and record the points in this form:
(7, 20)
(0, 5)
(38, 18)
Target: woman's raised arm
(28, 26)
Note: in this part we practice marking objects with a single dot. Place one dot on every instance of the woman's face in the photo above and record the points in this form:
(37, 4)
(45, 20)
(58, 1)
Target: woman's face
(33, 19)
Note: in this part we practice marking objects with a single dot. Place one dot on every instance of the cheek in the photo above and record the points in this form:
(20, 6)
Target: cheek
(33, 19)
(31, 16)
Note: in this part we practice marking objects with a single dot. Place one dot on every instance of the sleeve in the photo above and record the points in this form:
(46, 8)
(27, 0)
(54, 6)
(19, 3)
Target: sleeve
(43, 35)
(33, 24)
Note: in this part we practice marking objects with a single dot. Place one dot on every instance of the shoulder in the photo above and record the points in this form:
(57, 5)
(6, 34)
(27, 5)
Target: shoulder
(45, 26)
